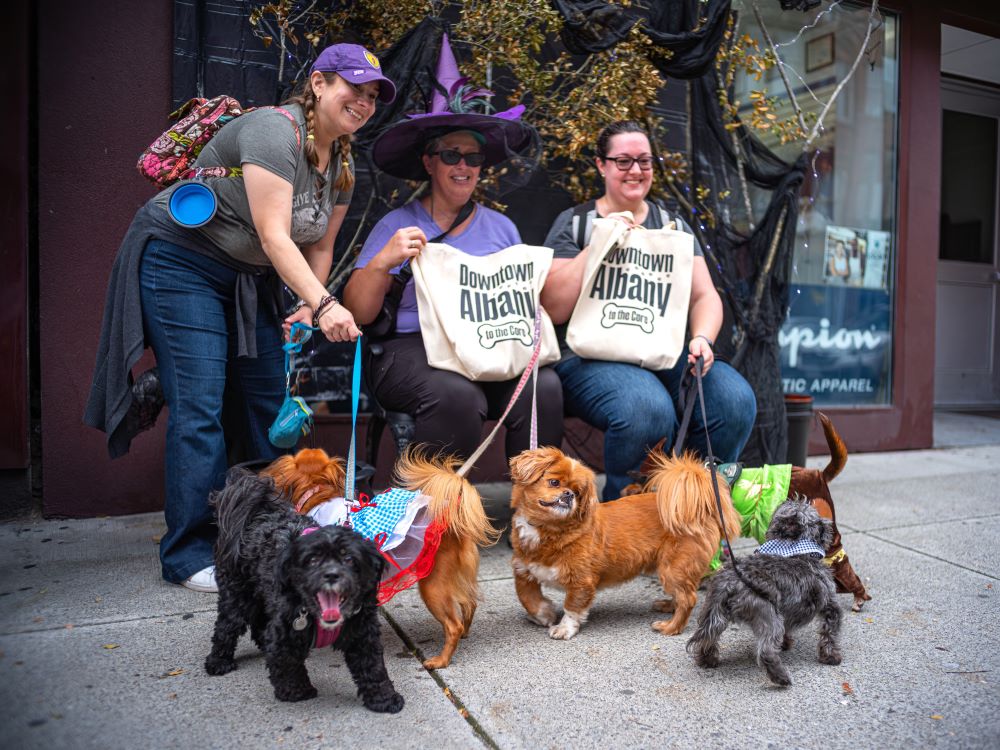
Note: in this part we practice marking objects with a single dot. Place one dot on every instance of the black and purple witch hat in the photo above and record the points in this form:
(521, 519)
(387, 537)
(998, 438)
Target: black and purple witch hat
(455, 105)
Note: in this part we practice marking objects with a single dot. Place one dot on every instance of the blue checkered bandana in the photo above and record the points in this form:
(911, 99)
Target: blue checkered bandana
(784, 548)
(381, 514)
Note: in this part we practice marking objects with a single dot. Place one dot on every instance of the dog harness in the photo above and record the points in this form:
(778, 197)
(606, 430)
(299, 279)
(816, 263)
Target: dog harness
(785, 548)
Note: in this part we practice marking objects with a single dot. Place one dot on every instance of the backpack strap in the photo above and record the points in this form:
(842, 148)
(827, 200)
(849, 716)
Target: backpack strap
(291, 118)
(583, 222)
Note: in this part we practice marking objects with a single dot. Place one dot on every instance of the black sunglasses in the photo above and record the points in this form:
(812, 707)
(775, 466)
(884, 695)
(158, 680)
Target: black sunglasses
(451, 157)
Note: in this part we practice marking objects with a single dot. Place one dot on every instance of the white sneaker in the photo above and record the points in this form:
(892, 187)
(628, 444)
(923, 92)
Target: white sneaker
(203, 581)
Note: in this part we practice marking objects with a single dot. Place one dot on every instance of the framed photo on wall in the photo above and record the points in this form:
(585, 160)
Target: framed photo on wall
(819, 52)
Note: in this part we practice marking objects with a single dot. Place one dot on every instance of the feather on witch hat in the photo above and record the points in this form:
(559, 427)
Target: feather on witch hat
(455, 105)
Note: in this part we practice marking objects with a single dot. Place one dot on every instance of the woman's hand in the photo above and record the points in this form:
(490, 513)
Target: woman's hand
(303, 315)
(405, 244)
(337, 323)
(699, 346)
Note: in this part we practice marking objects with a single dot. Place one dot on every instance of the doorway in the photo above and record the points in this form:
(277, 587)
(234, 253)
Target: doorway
(967, 350)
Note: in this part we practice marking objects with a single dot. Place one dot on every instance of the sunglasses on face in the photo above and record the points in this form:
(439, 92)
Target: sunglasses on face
(624, 163)
(451, 157)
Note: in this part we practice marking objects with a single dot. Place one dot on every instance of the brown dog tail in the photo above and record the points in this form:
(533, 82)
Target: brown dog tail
(454, 499)
(685, 498)
(838, 451)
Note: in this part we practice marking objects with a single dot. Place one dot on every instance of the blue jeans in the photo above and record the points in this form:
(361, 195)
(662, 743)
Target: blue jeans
(189, 318)
(636, 407)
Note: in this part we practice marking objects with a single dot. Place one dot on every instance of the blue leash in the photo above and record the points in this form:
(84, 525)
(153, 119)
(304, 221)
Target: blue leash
(355, 395)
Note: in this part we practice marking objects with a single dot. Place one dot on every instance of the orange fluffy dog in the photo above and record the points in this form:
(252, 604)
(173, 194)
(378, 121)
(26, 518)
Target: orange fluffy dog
(562, 536)
(451, 590)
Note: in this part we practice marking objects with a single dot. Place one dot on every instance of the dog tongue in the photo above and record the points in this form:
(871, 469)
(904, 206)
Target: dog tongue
(329, 603)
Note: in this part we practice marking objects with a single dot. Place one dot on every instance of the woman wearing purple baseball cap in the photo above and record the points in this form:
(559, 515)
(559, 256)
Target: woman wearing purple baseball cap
(448, 146)
(202, 293)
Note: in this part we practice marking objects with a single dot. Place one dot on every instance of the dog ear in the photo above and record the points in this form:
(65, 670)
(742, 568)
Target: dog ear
(372, 563)
(824, 532)
(283, 564)
(528, 466)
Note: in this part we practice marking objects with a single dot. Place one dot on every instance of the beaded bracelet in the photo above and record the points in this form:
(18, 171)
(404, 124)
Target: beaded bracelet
(327, 302)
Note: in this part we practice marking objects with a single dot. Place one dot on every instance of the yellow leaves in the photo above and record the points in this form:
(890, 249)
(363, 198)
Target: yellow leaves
(110, 646)
(937, 717)
(174, 672)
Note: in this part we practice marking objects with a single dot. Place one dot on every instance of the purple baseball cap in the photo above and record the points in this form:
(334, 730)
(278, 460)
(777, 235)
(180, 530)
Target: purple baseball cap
(355, 64)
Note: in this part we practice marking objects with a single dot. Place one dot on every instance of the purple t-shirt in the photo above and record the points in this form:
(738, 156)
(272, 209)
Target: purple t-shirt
(488, 232)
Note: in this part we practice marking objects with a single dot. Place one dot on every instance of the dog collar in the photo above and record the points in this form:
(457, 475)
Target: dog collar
(785, 548)
(305, 498)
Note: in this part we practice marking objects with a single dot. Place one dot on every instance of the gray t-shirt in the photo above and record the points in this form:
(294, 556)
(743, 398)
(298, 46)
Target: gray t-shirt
(265, 137)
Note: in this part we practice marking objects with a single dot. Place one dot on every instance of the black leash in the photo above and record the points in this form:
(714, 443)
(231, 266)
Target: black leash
(699, 366)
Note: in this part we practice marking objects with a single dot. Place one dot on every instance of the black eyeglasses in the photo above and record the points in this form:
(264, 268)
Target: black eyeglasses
(624, 163)
(451, 157)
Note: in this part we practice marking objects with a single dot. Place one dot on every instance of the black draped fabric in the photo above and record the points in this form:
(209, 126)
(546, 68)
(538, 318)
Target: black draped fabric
(593, 25)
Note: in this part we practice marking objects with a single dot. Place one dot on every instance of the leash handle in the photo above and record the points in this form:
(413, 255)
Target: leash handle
(471, 460)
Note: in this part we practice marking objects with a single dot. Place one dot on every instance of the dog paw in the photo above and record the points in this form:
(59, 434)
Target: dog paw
(668, 627)
(385, 704)
(545, 615)
(787, 642)
(707, 659)
(293, 694)
(565, 630)
(832, 657)
(664, 605)
(216, 665)
(780, 679)
(436, 662)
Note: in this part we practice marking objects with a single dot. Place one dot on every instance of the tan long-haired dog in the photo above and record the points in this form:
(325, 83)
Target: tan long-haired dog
(451, 590)
(563, 536)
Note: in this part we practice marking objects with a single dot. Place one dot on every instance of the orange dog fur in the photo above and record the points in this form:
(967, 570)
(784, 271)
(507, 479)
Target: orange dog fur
(310, 477)
(563, 536)
(451, 590)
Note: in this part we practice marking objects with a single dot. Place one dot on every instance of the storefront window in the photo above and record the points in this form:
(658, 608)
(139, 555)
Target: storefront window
(836, 344)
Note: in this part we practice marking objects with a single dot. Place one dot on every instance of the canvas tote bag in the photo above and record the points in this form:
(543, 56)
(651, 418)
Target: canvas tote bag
(477, 313)
(633, 303)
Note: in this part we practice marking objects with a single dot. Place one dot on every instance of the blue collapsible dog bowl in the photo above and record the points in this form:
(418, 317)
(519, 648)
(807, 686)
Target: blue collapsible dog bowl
(193, 204)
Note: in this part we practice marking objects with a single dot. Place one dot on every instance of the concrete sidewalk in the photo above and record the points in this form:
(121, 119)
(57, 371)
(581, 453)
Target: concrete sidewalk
(97, 652)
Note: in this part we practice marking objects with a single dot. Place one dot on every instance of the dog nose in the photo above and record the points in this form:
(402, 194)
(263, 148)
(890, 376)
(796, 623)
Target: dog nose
(331, 576)
(567, 496)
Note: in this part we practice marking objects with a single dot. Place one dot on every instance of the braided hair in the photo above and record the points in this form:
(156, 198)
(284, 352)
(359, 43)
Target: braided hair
(306, 98)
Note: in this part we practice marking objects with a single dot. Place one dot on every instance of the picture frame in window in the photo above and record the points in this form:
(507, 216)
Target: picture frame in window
(819, 52)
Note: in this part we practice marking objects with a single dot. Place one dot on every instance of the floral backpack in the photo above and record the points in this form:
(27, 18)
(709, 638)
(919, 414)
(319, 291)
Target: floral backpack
(171, 156)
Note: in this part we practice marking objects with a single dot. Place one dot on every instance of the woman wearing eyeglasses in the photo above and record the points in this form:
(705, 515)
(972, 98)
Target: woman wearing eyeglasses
(635, 407)
(448, 148)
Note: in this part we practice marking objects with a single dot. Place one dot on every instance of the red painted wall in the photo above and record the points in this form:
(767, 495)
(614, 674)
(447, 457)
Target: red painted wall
(14, 247)
(104, 73)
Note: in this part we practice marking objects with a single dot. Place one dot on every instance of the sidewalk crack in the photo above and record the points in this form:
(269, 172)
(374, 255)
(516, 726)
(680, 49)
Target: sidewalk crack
(418, 653)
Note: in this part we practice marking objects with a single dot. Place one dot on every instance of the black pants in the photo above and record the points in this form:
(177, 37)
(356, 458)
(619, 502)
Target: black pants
(450, 409)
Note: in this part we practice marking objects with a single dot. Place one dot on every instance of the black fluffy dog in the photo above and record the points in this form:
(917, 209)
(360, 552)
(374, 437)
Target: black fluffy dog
(289, 587)
(776, 594)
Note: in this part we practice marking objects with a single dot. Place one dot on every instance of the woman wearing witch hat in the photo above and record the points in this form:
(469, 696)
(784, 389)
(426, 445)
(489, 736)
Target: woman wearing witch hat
(447, 146)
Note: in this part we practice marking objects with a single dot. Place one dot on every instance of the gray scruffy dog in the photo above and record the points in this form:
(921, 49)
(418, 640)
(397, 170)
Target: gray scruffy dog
(295, 585)
(775, 594)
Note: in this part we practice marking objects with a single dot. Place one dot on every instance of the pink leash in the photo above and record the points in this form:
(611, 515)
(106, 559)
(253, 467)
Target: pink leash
(529, 370)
